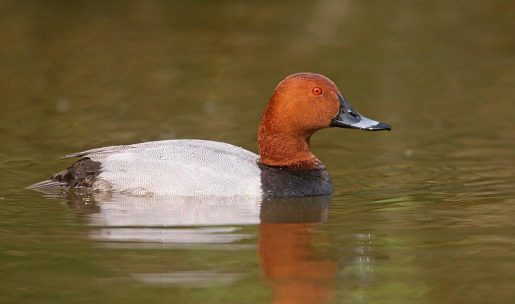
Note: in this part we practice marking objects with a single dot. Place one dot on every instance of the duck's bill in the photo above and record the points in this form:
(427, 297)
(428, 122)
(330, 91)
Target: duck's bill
(350, 118)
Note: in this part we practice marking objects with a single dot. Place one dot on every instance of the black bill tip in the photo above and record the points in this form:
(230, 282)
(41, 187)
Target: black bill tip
(379, 127)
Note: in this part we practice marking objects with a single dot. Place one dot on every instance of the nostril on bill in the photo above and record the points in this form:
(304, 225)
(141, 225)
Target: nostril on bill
(353, 114)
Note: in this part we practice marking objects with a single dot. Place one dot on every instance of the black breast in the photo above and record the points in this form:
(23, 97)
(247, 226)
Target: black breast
(288, 182)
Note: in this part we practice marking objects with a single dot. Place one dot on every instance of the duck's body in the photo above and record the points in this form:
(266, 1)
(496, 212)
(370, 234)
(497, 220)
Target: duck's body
(176, 167)
(301, 104)
(202, 167)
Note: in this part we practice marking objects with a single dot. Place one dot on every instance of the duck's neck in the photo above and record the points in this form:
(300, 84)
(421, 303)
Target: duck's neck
(280, 149)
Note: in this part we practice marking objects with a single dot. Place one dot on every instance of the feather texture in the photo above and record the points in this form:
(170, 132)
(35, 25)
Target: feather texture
(177, 167)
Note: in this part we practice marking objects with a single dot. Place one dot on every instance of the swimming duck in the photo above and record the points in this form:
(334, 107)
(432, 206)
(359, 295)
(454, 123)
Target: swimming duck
(301, 104)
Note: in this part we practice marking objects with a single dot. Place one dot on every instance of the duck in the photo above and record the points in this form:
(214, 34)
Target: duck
(300, 105)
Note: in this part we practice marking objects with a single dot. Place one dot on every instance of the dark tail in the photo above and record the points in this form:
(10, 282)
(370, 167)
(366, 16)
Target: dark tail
(82, 173)
(47, 184)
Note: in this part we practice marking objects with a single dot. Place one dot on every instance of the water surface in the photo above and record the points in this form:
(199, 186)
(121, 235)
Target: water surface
(422, 214)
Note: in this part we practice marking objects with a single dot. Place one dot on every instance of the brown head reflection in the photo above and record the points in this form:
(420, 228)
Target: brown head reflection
(287, 256)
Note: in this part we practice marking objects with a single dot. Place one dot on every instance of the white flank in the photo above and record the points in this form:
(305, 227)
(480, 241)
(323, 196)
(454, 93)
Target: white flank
(177, 168)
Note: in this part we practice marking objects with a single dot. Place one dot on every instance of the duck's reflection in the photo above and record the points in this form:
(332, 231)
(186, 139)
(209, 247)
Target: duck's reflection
(144, 222)
(286, 253)
(287, 256)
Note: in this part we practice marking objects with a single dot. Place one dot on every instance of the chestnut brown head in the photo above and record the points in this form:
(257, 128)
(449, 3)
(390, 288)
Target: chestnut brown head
(302, 104)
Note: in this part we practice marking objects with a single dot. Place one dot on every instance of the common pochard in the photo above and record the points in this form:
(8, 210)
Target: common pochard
(301, 104)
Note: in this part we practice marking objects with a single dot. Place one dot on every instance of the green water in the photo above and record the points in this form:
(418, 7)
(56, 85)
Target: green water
(422, 214)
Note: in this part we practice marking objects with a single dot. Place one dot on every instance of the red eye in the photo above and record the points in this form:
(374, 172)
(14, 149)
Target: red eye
(316, 91)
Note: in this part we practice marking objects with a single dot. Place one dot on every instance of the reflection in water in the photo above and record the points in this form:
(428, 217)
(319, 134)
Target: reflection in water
(189, 278)
(119, 210)
(171, 221)
(288, 260)
(287, 255)
(170, 235)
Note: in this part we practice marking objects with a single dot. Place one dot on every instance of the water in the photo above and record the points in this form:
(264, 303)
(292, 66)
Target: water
(422, 214)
